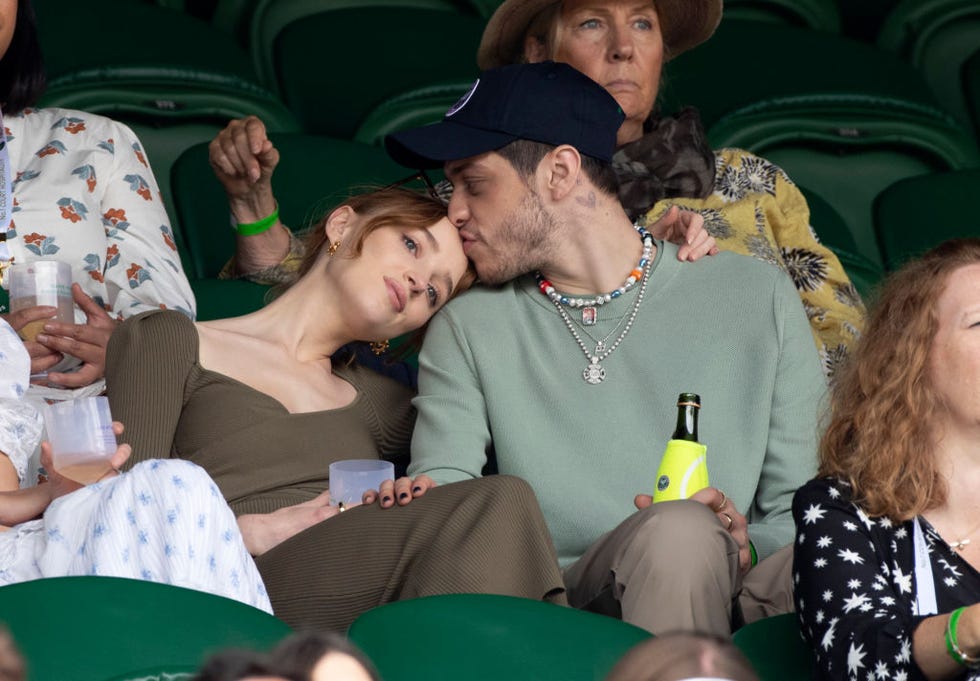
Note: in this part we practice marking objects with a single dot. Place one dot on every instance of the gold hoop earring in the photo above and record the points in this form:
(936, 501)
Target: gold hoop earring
(333, 248)
(379, 347)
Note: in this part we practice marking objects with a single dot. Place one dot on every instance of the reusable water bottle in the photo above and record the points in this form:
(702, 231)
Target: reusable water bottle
(683, 469)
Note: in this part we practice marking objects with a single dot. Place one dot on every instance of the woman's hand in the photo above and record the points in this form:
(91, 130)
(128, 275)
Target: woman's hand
(400, 491)
(727, 515)
(86, 341)
(262, 531)
(243, 159)
(42, 358)
(686, 229)
(58, 485)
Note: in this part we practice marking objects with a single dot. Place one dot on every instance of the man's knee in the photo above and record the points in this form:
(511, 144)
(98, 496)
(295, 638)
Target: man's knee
(679, 529)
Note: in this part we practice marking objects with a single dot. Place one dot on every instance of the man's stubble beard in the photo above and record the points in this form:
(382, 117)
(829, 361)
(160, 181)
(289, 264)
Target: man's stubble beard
(524, 242)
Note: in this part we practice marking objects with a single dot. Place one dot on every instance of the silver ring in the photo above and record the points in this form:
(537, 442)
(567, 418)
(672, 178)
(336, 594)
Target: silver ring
(341, 506)
(731, 521)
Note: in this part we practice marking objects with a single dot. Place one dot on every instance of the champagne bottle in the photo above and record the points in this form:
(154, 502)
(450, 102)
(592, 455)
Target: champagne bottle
(683, 468)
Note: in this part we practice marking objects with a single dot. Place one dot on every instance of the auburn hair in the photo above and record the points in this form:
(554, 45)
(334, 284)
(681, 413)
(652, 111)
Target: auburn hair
(881, 434)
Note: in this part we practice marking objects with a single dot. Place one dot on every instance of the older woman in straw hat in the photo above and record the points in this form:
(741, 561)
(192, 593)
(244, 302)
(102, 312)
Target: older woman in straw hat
(749, 205)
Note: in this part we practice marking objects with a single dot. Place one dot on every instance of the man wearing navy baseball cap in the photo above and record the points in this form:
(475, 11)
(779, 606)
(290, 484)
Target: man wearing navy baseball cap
(566, 370)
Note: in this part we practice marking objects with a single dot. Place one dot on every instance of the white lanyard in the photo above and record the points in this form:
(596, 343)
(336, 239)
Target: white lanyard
(925, 587)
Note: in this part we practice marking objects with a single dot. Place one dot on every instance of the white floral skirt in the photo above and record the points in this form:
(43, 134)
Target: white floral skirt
(163, 521)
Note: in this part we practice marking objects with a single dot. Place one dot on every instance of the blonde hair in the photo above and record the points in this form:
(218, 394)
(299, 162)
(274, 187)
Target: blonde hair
(881, 436)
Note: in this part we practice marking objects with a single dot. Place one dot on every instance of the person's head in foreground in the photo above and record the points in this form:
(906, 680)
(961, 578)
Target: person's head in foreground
(511, 159)
(683, 656)
(620, 44)
(910, 394)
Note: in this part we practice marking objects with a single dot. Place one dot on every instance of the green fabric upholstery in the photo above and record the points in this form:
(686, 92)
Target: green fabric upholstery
(849, 147)
(421, 106)
(776, 649)
(94, 628)
(768, 60)
(486, 637)
(409, 47)
(820, 15)
(917, 213)
(938, 37)
(971, 91)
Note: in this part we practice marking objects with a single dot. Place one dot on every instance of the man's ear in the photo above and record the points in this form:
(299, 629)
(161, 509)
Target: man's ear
(564, 168)
(338, 222)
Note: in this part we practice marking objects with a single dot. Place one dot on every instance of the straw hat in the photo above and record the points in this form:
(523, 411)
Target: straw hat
(684, 23)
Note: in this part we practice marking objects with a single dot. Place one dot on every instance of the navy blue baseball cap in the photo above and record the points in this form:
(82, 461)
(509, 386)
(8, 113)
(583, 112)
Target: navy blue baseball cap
(544, 102)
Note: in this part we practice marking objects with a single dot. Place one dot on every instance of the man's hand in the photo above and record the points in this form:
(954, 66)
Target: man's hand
(85, 341)
(243, 159)
(401, 491)
(686, 229)
(727, 515)
(42, 358)
(262, 531)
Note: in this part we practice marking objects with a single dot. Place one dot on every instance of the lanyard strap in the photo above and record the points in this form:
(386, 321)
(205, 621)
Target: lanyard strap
(925, 587)
(6, 207)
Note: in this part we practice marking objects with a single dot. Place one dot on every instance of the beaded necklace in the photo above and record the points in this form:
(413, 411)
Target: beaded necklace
(594, 373)
(589, 305)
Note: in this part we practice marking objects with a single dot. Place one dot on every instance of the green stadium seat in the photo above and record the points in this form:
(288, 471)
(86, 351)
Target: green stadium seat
(96, 628)
(917, 213)
(171, 98)
(766, 60)
(421, 106)
(971, 90)
(862, 20)
(406, 47)
(481, 637)
(849, 147)
(776, 649)
(819, 15)
(938, 37)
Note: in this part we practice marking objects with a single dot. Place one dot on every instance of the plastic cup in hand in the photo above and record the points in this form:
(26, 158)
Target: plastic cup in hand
(81, 437)
(351, 478)
(42, 282)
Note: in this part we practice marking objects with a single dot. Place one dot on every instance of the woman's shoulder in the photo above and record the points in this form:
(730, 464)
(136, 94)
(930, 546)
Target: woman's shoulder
(822, 490)
(156, 328)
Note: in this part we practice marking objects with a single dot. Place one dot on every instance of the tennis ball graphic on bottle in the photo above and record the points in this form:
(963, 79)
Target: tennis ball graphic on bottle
(683, 468)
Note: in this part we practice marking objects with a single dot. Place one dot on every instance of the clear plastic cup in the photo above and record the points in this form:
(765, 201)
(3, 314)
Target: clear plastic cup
(351, 478)
(81, 437)
(41, 282)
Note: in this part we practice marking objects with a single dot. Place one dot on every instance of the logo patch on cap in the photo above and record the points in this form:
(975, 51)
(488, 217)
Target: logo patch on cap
(463, 100)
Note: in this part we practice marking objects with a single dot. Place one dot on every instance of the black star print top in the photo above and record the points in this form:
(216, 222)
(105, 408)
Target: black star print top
(854, 583)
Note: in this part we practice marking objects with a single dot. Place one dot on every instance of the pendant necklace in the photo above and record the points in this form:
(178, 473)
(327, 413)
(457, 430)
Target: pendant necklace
(589, 305)
(962, 543)
(594, 373)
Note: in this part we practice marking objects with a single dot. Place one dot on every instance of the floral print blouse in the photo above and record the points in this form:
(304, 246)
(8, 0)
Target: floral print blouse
(755, 209)
(83, 192)
(854, 583)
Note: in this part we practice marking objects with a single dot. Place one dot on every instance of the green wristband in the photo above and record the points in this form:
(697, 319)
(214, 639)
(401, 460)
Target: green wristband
(755, 556)
(263, 225)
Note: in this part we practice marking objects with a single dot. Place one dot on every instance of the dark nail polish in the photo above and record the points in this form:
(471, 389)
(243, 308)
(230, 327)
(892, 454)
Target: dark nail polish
(417, 489)
(386, 499)
(403, 495)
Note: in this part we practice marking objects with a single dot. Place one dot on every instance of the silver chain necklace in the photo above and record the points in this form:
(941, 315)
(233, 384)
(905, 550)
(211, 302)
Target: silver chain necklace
(594, 373)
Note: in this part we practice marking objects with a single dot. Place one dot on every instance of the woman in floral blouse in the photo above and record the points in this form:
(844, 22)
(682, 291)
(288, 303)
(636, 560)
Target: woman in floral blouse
(887, 550)
(77, 187)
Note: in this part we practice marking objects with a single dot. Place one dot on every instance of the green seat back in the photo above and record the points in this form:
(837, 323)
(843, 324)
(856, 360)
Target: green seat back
(421, 106)
(819, 15)
(770, 60)
(938, 37)
(862, 20)
(971, 91)
(849, 147)
(917, 213)
(776, 649)
(834, 233)
(94, 628)
(486, 637)
(331, 94)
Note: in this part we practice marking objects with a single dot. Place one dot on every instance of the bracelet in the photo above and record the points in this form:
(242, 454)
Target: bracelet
(263, 225)
(752, 552)
(952, 645)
